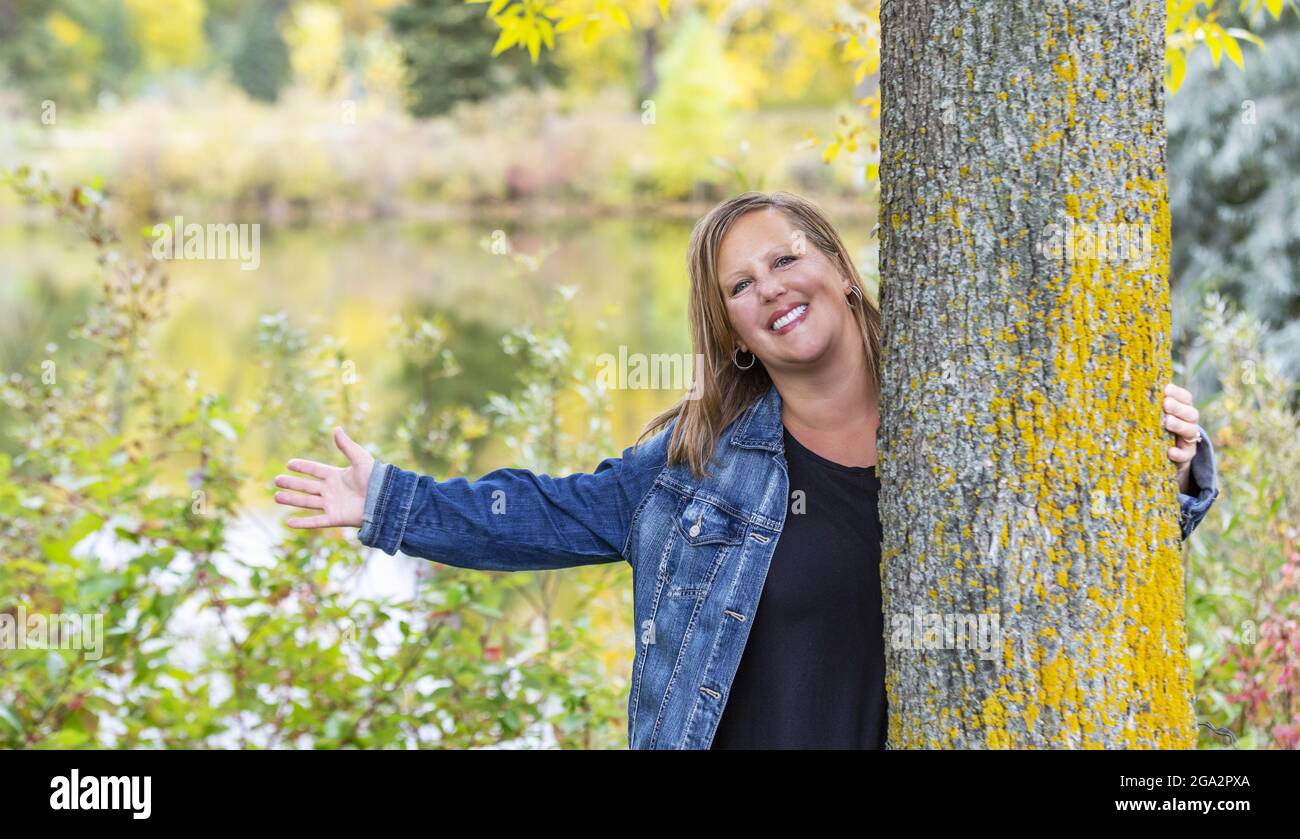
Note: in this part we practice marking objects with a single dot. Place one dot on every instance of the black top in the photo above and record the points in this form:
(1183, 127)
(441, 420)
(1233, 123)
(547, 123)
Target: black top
(813, 671)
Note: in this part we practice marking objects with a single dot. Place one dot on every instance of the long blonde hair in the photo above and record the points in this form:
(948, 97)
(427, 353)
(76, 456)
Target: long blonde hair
(726, 390)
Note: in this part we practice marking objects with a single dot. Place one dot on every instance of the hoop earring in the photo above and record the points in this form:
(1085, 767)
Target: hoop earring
(854, 291)
(736, 361)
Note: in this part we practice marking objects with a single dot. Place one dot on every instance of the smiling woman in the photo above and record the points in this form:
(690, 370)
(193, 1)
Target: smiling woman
(757, 498)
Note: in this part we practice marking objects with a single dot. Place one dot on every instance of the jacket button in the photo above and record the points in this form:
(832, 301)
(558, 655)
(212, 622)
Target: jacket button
(695, 530)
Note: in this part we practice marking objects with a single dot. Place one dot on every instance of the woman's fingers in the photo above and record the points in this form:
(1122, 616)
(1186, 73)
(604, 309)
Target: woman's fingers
(306, 502)
(1179, 401)
(1186, 430)
(298, 484)
(310, 522)
(309, 467)
(1181, 409)
(1180, 419)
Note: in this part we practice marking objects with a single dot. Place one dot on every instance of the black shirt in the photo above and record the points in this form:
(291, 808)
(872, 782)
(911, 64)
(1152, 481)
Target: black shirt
(813, 671)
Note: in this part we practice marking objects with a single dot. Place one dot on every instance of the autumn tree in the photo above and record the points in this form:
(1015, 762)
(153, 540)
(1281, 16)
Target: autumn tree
(1024, 290)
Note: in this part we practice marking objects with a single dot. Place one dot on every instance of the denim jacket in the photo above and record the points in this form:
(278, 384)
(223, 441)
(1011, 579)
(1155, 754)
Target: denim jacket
(699, 550)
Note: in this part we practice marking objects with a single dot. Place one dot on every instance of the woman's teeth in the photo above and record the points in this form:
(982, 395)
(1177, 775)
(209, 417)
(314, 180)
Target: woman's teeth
(789, 317)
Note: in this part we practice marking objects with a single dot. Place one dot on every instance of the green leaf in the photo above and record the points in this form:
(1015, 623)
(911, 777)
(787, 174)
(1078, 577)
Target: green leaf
(60, 550)
(101, 586)
(55, 666)
(8, 716)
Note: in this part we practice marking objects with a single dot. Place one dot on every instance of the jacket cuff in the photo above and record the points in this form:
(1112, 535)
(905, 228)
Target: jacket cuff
(1205, 486)
(394, 493)
(377, 475)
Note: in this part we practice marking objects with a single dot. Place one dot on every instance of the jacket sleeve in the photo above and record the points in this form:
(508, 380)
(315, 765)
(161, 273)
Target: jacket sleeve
(512, 519)
(1205, 486)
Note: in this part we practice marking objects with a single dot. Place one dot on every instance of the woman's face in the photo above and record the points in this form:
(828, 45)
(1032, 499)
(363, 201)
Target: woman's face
(771, 275)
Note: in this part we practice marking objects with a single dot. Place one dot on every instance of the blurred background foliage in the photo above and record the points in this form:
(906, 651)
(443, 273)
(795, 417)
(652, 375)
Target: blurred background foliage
(461, 206)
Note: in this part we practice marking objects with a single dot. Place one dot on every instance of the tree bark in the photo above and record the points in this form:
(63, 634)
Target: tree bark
(1023, 466)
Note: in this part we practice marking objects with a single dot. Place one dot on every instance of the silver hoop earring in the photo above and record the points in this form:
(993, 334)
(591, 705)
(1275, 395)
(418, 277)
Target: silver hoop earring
(736, 360)
(854, 291)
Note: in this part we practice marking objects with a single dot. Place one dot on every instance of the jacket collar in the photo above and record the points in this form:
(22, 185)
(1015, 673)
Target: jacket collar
(760, 426)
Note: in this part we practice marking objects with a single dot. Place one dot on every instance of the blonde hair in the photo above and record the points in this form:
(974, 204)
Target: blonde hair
(726, 390)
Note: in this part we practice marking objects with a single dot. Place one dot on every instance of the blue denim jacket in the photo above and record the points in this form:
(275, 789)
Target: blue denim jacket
(699, 550)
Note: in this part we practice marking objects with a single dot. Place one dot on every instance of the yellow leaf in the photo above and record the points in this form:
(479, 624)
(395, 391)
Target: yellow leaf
(663, 7)
(873, 171)
(1177, 69)
(1233, 49)
(1274, 7)
(534, 43)
(832, 151)
(507, 39)
(620, 17)
(590, 32)
(1214, 43)
(495, 8)
(569, 23)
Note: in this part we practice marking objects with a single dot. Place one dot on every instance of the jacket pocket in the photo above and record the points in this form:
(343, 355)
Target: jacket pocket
(704, 535)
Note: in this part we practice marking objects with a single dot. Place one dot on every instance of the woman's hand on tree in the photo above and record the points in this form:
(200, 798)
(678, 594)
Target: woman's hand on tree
(339, 493)
(1180, 418)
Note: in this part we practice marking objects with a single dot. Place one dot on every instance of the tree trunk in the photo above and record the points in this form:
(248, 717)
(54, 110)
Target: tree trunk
(1023, 467)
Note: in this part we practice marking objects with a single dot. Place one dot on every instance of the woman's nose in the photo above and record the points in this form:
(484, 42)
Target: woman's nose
(769, 288)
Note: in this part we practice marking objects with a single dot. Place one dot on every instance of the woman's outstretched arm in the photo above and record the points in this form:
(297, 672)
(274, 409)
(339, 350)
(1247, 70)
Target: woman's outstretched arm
(507, 520)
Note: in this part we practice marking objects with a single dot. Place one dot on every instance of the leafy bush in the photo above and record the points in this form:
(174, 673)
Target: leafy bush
(1244, 566)
(122, 491)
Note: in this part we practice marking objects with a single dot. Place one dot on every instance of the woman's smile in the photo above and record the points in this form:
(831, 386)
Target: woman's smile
(788, 319)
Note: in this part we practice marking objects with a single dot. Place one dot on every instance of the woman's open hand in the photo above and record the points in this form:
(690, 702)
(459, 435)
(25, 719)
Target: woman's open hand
(1180, 419)
(340, 494)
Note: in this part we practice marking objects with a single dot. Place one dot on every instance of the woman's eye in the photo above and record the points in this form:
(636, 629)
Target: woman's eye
(787, 256)
(736, 288)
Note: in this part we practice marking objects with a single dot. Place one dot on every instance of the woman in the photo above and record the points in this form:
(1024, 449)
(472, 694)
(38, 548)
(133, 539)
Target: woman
(785, 424)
